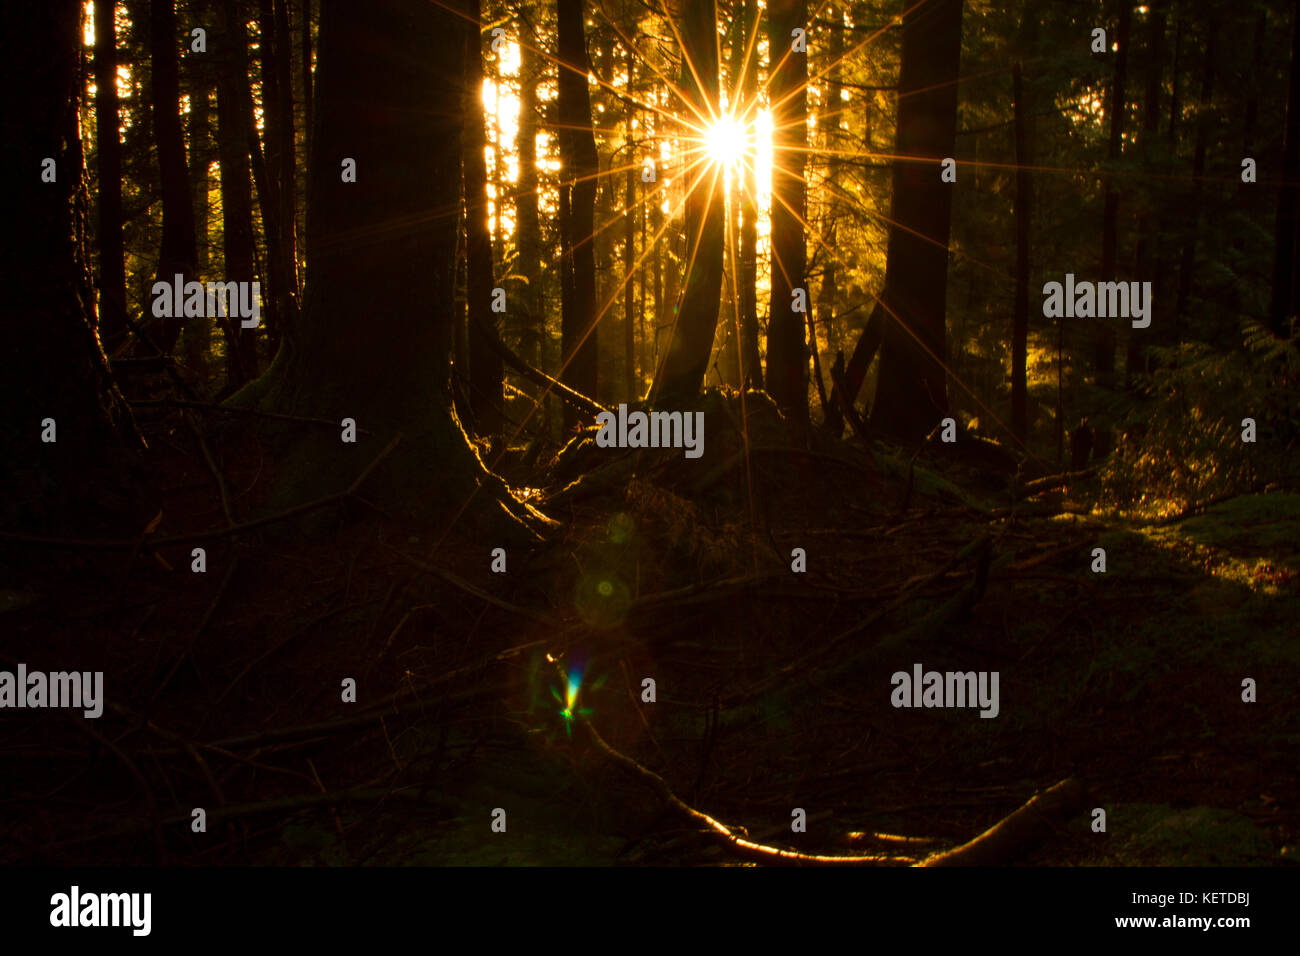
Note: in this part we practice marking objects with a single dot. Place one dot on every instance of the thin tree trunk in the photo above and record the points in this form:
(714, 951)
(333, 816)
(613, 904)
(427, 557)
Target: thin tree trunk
(110, 246)
(751, 362)
(236, 195)
(1286, 248)
(629, 236)
(1147, 263)
(682, 367)
(527, 229)
(787, 351)
(486, 394)
(1104, 332)
(178, 253)
(288, 174)
(577, 206)
(1188, 261)
(196, 335)
(1020, 323)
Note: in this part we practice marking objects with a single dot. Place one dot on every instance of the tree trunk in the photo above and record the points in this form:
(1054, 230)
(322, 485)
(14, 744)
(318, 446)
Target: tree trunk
(108, 146)
(1020, 322)
(1188, 261)
(528, 235)
(682, 367)
(381, 259)
(196, 335)
(307, 113)
(577, 206)
(236, 194)
(787, 351)
(1104, 332)
(751, 362)
(486, 395)
(911, 390)
(1286, 248)
(288, 175)
(1146, 260)
(630, 209)
(51, 363)
(178, 253)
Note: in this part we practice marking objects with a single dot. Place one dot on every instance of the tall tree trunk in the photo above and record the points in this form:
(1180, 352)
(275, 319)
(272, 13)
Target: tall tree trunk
(305, 27)
(577, 206)
(1020, 322)
(108, 147)
(682, 367)
(1147, 263)
(751, 362)
(51, 363)
(383, 249)
(911, 390)
(787, 351)
(1104, 332)
(1188, 261)
(236, 194)
(833, 420)
(196, 335)
(178, 253)
(629, 237)
(527, 229)
(1286, 248)
(486, 395)
(288, 175)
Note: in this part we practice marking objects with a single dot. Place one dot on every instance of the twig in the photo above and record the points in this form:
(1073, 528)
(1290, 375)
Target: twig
(462, 584)
(210, 407)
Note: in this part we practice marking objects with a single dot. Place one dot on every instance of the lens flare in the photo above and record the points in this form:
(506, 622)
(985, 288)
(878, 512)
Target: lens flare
(725, 141)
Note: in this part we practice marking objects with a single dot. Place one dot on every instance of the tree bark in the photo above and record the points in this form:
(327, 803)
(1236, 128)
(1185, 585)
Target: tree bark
(1020, 322)
(1104, 332)
(51, 363)
(381, 267)
(236, 194)
(486, 394)
(1188, 261)
(178, 253)
(1286, 247)
(911, 390)
(577, 206)
(528, 237)
(751, 362)
(787, 351)
(630, 209)
(682, 367)
(108, 147)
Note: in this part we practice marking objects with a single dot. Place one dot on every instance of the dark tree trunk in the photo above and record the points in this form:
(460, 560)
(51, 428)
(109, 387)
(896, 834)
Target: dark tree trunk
(51, 363)
(1020, 321)
(1187, 264)
(112, 253)
(629, 238)
(196, 335)
(682, 367)
(305, 26)
(381, 260)
(911, 390)
(236, 195)
(178, 253)
(787, 351)
(528, 234)
(1286, 249)
(288, 174)
(486, 395)
(751, 363)
(1148, 266)
(577, 206)
(1104, 332)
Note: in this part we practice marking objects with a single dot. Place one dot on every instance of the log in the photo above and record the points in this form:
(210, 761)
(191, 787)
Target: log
(1009, 838)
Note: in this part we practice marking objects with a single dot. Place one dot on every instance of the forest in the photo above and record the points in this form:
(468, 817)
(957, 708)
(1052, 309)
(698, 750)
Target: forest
(650, 433)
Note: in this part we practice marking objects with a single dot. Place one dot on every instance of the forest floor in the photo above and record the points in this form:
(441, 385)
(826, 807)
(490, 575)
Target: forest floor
(772, 687)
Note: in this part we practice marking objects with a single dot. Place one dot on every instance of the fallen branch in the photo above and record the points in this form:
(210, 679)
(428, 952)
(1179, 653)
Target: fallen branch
(459, 582)
(1034, 822)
